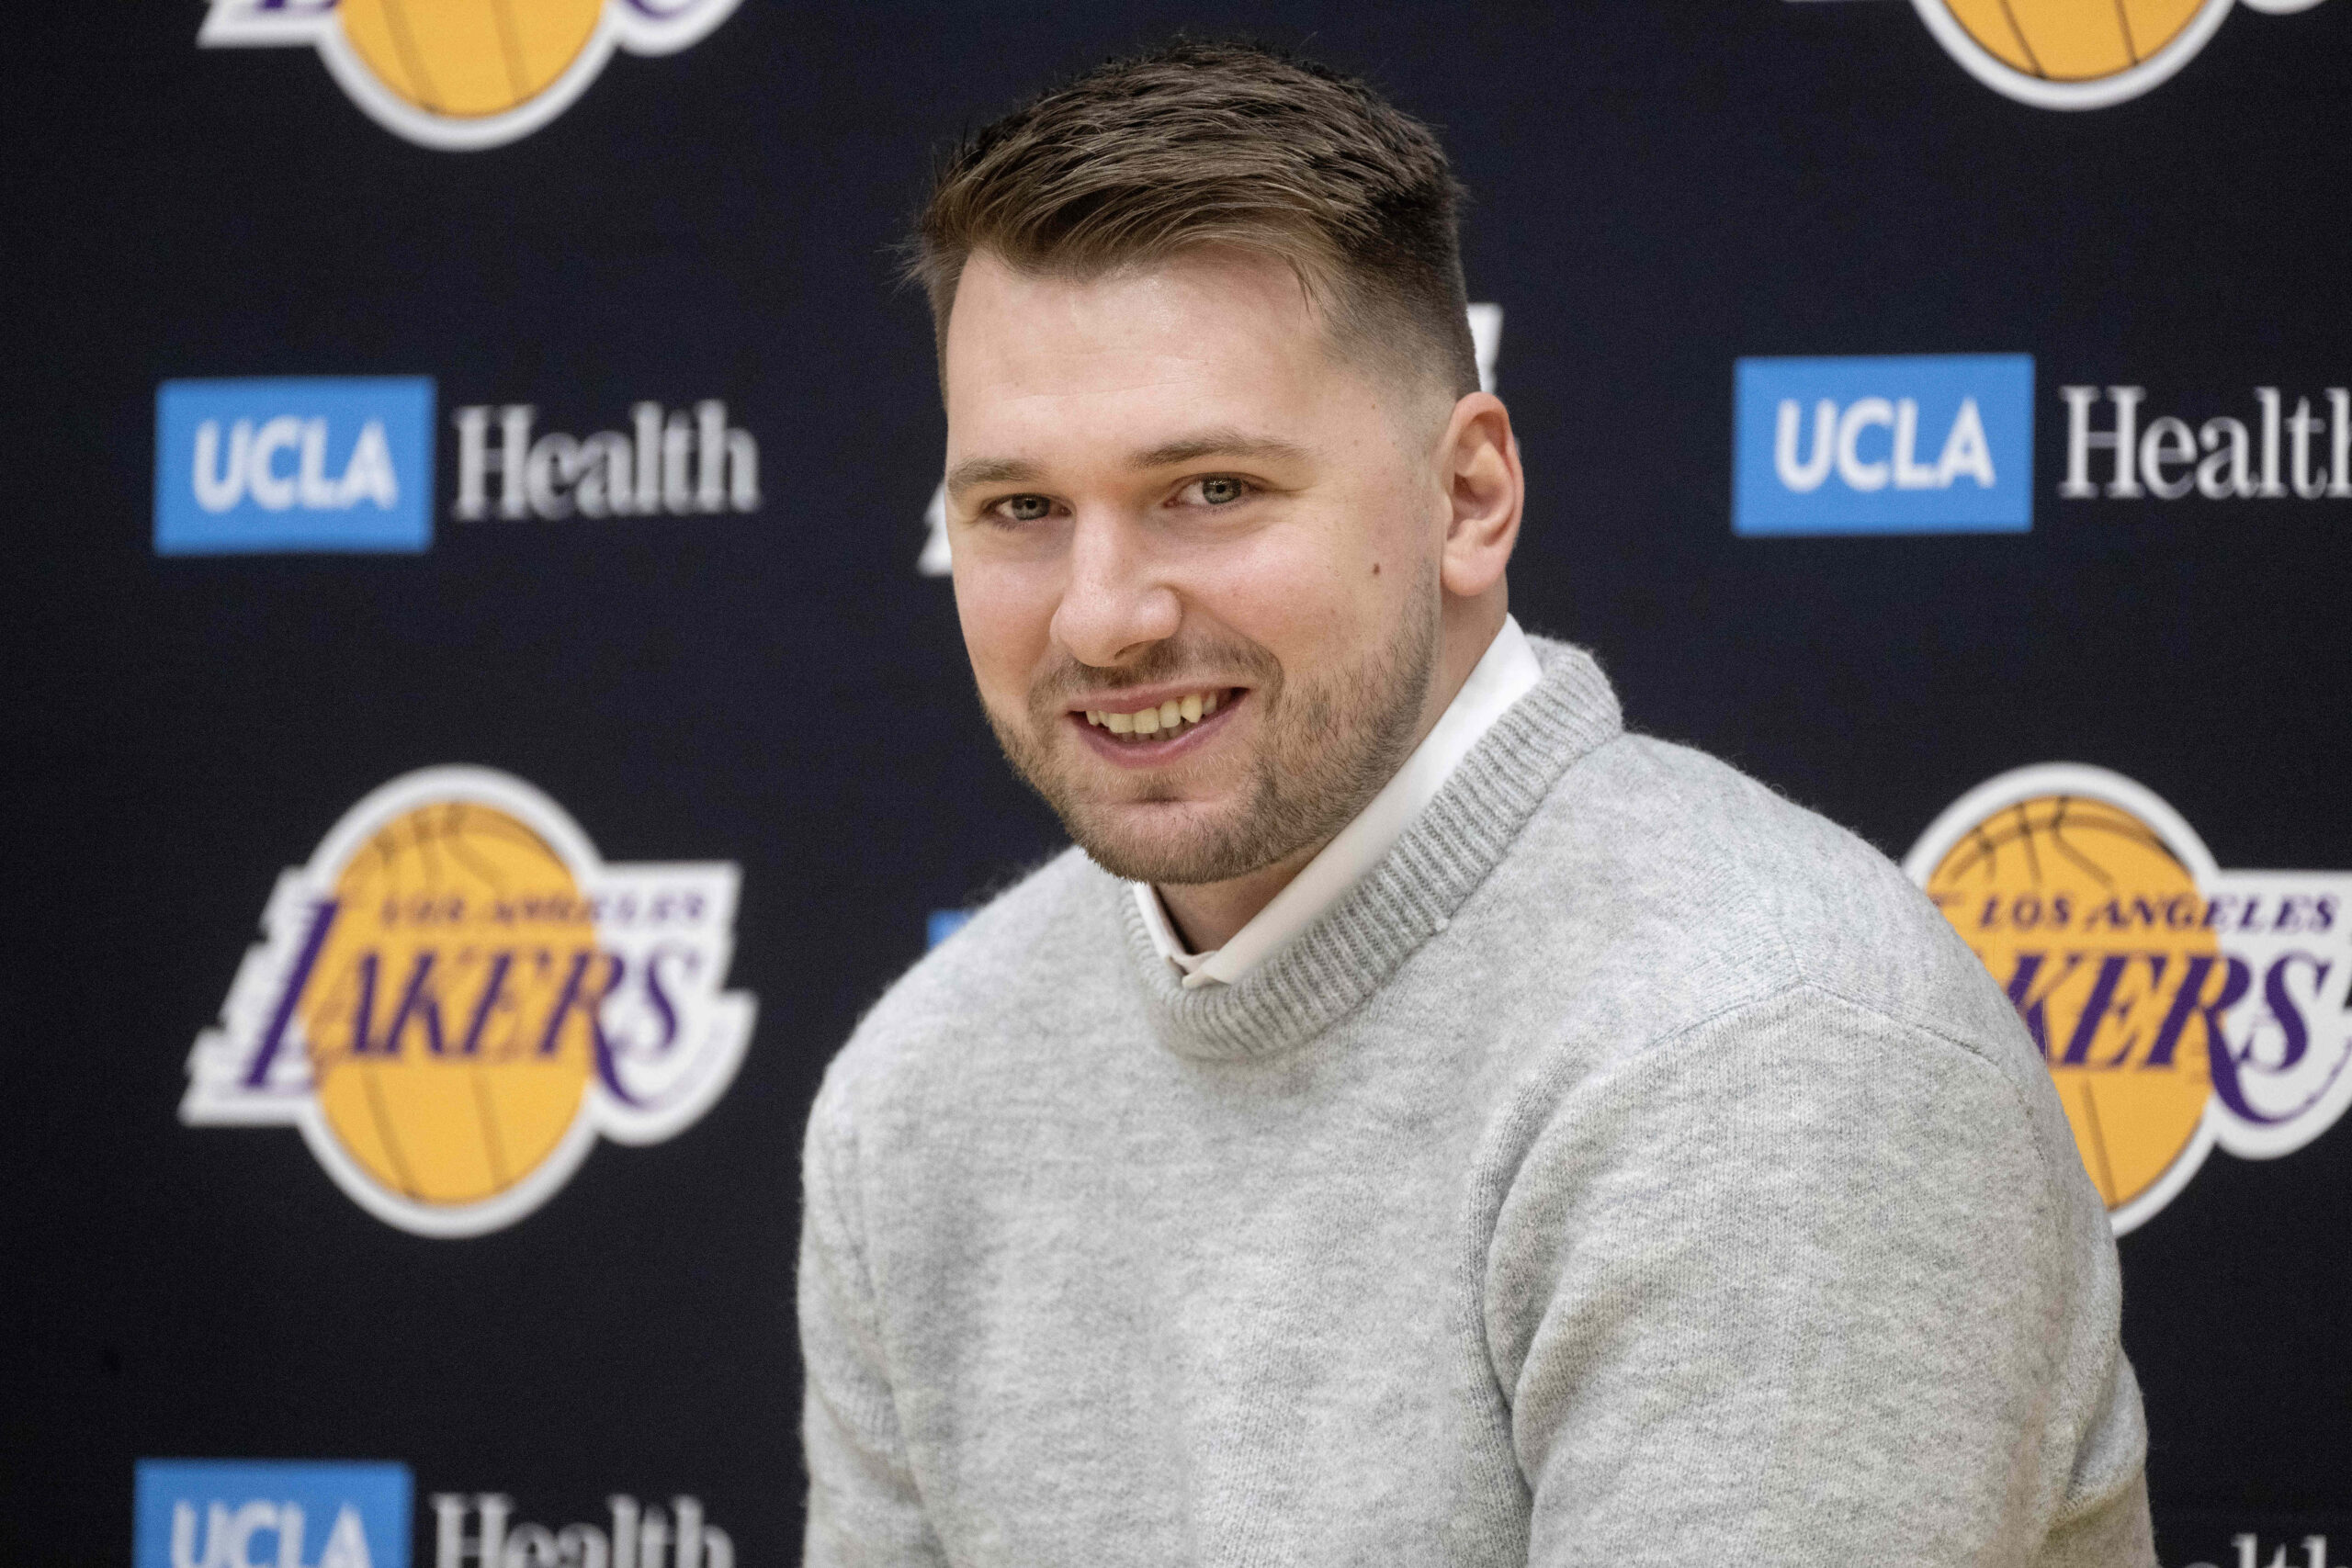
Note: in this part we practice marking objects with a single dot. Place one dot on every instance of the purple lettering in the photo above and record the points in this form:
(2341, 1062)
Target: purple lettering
(2032, 1005)
(2283, 1007)
(2227, 1064)
(2102, 1003)
(363, 1009)
(492, 995)
(578, 996)
(323, 913)
(417, 1004)
(659, 997)
(2189, 1002)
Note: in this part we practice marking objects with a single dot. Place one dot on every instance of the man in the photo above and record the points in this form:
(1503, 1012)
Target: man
(1419, 1123)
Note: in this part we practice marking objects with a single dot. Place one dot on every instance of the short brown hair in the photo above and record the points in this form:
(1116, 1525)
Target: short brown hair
(1201, 143)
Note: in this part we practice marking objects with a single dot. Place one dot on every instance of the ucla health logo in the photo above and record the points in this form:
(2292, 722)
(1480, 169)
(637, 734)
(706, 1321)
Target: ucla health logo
(459, 74)
(2179, 1006)
(269, 1514)
(1888, 444)
(457, 996)
(483, 1531)
(294, 463)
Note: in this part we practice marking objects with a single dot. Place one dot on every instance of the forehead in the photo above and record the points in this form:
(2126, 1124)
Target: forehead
(1042, 355)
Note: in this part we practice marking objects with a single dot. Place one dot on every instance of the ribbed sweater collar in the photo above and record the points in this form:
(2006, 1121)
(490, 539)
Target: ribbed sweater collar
(1407, 897)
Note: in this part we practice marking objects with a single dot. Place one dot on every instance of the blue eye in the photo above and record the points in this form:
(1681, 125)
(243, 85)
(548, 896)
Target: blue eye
(1220, 491)
(1024, 508)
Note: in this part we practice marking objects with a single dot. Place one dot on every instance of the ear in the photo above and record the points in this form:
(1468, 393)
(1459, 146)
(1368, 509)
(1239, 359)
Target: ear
(1478, 460)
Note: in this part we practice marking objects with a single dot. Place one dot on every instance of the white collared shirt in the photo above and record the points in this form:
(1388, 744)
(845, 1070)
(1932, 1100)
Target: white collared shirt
(1506, 673)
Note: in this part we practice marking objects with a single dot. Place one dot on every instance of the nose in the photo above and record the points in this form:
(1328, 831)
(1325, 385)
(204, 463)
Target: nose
(1116, 602)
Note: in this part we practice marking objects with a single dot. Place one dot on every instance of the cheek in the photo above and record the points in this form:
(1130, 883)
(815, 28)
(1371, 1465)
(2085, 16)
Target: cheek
(1307, 595)
(1006, 616)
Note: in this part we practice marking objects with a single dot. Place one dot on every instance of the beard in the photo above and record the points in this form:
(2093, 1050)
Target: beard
(1324, 748)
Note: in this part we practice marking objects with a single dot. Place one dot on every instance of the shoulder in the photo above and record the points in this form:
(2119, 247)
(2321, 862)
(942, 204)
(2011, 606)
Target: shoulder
(992, 993)
(1738, 893)
(1766, 983)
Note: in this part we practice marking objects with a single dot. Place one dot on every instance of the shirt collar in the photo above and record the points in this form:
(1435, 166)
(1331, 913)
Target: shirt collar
(1506, 673)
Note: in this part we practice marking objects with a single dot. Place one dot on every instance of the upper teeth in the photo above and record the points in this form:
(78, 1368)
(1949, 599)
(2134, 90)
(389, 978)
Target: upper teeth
(1191, 708)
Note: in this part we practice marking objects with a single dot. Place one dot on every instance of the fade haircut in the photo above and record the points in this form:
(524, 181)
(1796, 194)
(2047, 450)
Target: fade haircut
(1201, 144)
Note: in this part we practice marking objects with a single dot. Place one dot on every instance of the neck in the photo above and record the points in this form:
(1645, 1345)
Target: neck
(1208, 914)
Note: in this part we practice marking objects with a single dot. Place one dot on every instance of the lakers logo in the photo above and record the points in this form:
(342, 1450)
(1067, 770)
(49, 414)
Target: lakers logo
(2078, 54)
(456, 998)
(464, 73)
(2176, 1005)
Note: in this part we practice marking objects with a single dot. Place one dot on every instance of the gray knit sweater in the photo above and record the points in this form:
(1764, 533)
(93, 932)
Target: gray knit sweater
(1634, 1168)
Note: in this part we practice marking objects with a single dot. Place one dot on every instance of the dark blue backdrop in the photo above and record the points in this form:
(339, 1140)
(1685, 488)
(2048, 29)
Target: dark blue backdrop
(1659, 190)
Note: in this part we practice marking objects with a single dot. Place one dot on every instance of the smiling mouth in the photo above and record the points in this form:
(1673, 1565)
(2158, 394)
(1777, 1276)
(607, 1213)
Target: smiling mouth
(1170, 720)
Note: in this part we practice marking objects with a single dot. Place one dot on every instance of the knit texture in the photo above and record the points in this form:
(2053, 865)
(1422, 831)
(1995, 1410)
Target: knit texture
(1633, 1168)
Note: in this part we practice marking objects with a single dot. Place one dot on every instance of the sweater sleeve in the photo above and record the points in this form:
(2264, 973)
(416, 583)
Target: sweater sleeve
(1809, 1284)
(864, 1510)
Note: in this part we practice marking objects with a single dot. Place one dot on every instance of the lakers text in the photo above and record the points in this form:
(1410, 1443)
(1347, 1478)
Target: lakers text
(457, 996)
(2177, 1005)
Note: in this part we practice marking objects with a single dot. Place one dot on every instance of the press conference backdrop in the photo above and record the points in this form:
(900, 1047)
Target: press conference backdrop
(489, 717)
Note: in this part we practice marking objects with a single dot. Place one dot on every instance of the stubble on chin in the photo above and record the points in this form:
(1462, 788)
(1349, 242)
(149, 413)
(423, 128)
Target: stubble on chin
(1323, 749)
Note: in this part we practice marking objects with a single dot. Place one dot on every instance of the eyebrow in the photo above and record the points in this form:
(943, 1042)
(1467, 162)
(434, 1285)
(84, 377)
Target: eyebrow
(1219, 443)
(987, 471)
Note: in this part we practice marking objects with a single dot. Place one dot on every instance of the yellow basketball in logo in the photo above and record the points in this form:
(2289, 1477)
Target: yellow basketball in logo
(2073, 40)
(469, 59)
(2099, 934)
(450, 1020)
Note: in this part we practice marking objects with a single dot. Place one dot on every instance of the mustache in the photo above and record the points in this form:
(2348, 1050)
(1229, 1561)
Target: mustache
(1210, 660)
